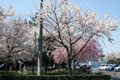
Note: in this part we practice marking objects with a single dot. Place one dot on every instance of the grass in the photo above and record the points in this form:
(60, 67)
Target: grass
(53, 72)
(14, 73)
(10, 73)
(18, 73)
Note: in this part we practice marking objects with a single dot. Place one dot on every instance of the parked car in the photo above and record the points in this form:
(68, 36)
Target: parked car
(117, 68)
(111, 68)
(103, 67)
(1, 65)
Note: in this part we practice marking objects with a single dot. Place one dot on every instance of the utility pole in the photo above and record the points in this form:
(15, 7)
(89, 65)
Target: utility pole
(40, 41)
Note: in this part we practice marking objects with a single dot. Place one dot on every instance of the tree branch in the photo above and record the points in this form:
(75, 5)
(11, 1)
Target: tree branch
(82, 47)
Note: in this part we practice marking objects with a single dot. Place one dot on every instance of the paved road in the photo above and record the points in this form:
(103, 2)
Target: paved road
(112, 73)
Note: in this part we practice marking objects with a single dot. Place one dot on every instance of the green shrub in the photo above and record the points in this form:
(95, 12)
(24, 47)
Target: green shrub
(56, 77)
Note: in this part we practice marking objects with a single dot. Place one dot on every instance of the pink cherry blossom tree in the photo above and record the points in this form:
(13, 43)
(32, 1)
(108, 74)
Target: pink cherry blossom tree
(92, 50)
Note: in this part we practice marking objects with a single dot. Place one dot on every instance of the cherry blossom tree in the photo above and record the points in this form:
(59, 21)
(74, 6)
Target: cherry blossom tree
(68, 23)
(4, 15)
(14, 40)
(112, 56)
(91, 51)
(14, 36)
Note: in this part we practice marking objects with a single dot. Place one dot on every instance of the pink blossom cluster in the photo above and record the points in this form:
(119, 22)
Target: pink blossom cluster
(91, 51)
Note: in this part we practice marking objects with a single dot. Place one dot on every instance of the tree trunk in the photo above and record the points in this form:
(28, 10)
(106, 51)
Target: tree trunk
(74, 65)
(16, 66)
(69, 62)
(45, 66)
(6, 68)
(33, 65)
(69, 67)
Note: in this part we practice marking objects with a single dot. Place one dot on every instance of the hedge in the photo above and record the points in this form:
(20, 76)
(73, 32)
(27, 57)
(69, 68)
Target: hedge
(57, 77)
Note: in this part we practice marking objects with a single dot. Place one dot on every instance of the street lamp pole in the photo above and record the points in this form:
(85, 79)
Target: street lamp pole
(40, 41)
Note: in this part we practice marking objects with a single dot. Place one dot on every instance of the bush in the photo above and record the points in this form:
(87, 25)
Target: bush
(56, 77)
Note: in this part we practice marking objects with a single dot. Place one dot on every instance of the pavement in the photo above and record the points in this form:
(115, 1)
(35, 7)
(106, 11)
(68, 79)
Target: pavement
(114, 75)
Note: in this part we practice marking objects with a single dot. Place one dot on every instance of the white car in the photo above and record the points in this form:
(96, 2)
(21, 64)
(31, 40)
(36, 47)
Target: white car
(117, 68)
(104, 67)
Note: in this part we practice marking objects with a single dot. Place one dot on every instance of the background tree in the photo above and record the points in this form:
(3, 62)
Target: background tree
(65, 21)
(92, 51)
(47, 50)
(14, 38)
(4, 15)
(113, 58)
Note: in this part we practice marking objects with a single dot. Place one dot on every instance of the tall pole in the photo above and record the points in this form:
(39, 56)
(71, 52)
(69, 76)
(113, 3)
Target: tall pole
(40, 41)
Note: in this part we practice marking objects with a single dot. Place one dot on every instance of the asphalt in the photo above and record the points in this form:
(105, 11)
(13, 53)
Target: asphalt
(114, 75)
